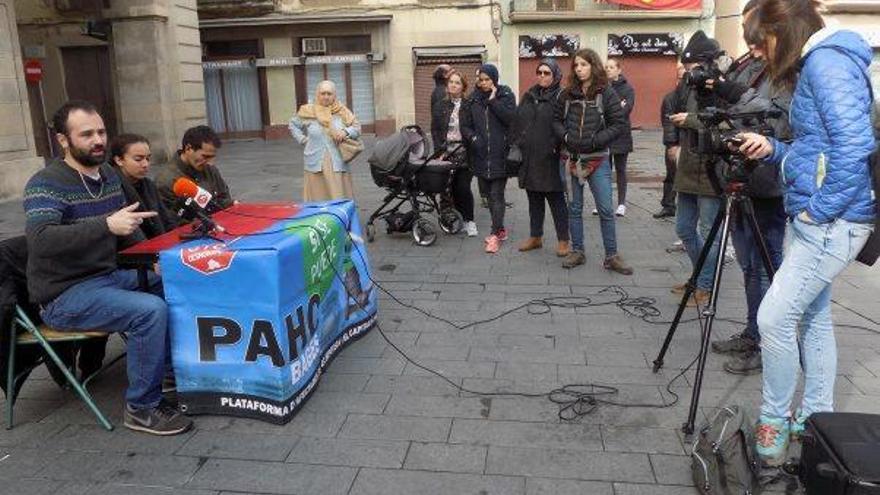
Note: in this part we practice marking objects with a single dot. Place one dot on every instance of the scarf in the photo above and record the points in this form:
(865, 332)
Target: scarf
(324, 114)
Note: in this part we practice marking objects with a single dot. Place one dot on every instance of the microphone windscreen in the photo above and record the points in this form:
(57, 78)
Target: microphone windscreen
(185, 188)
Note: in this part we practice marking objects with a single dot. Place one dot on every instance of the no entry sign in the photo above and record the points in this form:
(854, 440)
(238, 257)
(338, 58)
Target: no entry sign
(33, 71)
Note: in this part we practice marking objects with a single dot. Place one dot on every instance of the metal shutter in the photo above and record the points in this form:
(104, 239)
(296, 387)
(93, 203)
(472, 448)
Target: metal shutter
(423, 82)
(362, 92)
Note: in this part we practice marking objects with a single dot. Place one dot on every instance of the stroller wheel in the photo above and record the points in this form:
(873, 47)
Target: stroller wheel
(371, 232)
(423, 232)
(451, 221)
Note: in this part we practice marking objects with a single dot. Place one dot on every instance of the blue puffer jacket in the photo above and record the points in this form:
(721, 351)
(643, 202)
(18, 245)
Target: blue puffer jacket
(825, 168)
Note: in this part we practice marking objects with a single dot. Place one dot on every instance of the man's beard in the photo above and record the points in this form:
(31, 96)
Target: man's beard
(86, 158)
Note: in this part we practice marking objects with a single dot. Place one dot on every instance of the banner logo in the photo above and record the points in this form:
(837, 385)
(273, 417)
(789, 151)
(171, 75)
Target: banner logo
(207, 259)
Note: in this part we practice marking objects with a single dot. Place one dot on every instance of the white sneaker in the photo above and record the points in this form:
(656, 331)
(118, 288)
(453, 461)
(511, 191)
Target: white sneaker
(595, 211)
(471, 229)
(621, 210)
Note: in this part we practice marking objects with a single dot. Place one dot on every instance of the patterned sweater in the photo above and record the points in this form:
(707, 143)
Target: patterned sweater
(67, 233)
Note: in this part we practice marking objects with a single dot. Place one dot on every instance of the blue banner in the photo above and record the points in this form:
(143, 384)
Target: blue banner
(256, 318)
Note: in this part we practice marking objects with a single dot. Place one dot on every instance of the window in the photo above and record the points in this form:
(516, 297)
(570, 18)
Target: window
(237, 48)
(348, 44)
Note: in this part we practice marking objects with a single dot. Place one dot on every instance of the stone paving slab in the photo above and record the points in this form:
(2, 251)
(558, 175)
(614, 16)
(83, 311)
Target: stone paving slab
(379, 424)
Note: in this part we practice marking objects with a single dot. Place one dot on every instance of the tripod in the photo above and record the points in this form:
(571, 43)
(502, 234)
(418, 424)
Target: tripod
(734, 196)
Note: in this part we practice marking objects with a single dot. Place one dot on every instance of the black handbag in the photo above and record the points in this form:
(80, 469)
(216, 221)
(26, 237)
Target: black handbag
(841, 454)
(514, 160)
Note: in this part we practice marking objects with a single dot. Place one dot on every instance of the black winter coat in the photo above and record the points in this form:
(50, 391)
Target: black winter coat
(440, 120)
(583, 129)
(668, 107)
(624, 142)
(533, 132)
(486, 132)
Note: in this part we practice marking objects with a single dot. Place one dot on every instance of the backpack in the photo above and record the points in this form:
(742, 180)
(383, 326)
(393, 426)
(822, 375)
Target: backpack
(722, 459)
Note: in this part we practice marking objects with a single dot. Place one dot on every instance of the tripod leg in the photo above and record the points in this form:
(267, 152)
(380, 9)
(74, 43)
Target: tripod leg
(690, 287)
(749, 212)
(688, 428)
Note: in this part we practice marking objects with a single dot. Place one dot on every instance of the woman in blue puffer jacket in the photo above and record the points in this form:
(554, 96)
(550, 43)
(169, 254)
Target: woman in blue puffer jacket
(828, 199)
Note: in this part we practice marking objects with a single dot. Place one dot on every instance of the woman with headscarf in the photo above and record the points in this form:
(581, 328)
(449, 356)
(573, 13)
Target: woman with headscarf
(492, 111)
(321, 127)
(539, 173)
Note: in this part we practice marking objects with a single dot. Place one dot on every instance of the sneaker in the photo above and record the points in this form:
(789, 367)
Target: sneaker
(621, 211)
(493, 244)
(772, 437)
(471, 229)
(664, 213)
(574, 259)
(595, 211)
(676, 247)
(169, 383)
(747, 364)
(615, 263)
(798, 426)
(736, 343)
(502, 234)
(161, 420)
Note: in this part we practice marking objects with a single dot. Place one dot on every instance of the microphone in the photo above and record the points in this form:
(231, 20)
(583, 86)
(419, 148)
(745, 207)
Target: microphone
(196, 201)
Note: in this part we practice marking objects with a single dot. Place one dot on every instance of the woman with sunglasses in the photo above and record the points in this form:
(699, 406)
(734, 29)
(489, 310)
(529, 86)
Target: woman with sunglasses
(539, 173)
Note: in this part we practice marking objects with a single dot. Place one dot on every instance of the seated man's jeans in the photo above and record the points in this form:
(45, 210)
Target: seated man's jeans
(797, 306)
(113, 303)
(771, 218)
(694, 211)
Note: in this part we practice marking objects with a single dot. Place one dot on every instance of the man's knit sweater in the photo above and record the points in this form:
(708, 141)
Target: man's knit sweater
(68, 237)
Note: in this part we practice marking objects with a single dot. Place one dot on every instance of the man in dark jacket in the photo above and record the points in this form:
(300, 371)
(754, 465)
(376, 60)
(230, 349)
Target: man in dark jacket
(76, 216)
(622, 145)
(195, 160)
(440, 75)
(698, 199)
(671, 143)
(492, 110)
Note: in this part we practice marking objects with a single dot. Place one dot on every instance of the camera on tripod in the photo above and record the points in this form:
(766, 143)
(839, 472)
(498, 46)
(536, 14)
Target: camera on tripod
(720, 138)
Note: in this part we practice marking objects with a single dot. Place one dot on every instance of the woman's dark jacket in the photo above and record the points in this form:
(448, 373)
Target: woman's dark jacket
(145, 192)
(533, 133)
(667, 108)
(440, 120)
(624, 142)
(582, 129)
(486, 131)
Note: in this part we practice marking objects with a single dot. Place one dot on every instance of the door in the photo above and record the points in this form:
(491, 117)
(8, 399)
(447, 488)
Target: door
(423, 83)
(87, 76)
(232, 97)
(651, 77)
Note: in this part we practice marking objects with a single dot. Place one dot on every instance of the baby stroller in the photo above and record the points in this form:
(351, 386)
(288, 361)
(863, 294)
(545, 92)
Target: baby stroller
(404, 165)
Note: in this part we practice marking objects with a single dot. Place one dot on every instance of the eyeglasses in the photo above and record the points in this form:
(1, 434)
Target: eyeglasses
(544, 73)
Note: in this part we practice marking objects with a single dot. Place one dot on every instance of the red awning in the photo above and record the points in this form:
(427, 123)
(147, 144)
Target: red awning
(660, 4)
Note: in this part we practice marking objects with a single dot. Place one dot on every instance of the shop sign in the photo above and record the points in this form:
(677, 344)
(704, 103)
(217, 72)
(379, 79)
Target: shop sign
(228, 64)
(335, 59)
(551, 45)
(278, 61)
(645, 44)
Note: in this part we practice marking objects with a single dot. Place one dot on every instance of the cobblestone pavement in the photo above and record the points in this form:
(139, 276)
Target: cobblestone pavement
(378, 424)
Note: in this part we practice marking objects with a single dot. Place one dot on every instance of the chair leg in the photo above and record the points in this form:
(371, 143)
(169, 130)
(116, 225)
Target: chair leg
(10, 380)
(83, 394)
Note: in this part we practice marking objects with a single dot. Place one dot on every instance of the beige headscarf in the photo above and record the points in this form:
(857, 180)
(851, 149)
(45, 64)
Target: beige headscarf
(324, 114)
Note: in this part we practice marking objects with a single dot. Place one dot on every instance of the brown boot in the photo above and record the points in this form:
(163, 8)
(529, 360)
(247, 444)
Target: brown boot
(678, 288)
(699, 299)
(574, 258)
(615, 263)
(563, 248)
(531, 243)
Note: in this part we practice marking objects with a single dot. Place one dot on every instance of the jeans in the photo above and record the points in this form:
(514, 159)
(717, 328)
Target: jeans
(495, 191)
(600, 186)
(668, 200)
(800, 295)
(558, 210)
(693, 210)
(112, 302)
(618, 163)
(462, 197)
(771, 218)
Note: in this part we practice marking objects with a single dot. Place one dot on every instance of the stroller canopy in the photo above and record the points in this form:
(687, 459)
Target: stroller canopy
(388, 152)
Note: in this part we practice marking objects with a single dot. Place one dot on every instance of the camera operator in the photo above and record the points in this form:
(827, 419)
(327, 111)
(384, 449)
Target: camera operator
(829, 201)
(747, 87)
(698, 199)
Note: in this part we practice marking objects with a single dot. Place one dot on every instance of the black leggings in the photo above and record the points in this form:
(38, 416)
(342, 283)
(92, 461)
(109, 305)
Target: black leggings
(462, 197)
(618, 163)
(668, 200)
(558, 210)
(495, 191)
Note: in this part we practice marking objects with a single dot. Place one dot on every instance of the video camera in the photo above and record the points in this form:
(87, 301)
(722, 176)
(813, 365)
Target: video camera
(724, 142)
(699, 75)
